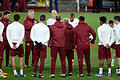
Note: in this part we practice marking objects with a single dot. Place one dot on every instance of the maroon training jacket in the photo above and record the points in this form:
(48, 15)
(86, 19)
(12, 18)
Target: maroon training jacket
(68, 36)
(57, 34)
(28, 24)
(81, 35)
(6, 22)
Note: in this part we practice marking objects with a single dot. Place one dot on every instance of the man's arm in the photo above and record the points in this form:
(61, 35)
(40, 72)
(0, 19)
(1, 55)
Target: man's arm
(112, 37)
(75, 35)
(93, 33)
(108, 41)
(9, 37)
(118, 33)
(25, 24)
(21, 37)
(49, 43)
(32, 36)
(1, 29)
(100, 37)
(47, 37)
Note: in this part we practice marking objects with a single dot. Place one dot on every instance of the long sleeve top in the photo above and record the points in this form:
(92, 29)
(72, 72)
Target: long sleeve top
(15, 34)
(40, 33)
(1, 31)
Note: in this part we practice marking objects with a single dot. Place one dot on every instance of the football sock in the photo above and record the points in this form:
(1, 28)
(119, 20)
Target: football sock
(40, 74)
(113, 60)
(109, 70)
(0, 71)
(72, 60)
(15, 72)
(100, 70)
(21, 72)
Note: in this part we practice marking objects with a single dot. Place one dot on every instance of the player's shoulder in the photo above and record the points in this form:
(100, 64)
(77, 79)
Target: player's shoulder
(21, 25)
(109, 27)
(118, 26)
(76, 20)
(50, 19)
(11, 24)
(115, 27)
(103, 26)
(1, 24)
(44, 25)
(35, 25)
(76, 28)
(25, 18)
(100, 27)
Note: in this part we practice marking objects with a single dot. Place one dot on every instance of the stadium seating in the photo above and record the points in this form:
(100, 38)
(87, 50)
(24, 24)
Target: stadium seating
(67, 5)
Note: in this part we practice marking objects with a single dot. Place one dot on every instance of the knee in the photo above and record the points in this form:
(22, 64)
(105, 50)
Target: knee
(80, 60)
(42, 60)
(1, 58)
(63, 60)
(53, 59)
(101, 61)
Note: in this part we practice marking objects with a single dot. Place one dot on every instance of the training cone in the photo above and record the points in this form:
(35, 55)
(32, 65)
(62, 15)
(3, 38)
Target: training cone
(92, 44)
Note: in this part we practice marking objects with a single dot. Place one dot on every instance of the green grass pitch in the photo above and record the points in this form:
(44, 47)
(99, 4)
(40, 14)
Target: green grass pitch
(93, 21)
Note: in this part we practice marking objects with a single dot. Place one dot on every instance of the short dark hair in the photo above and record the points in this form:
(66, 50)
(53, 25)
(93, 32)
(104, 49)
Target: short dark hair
(117, 18)
(103, 19)
(0, 14)
(72, 15)
(81, 18)
(42, 17)
(58, 18)
(111, 22)
(16, 17)
(6, 12)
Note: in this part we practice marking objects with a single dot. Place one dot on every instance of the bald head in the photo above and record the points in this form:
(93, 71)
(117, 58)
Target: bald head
(54, 13)
(66, 20)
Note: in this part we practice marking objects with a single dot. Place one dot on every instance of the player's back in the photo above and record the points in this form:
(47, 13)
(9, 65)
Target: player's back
(82, 31)
(58, 34)
(68, 36)
(15, 30)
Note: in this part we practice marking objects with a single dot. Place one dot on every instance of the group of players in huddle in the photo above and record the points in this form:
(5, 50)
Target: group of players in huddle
(62, 36)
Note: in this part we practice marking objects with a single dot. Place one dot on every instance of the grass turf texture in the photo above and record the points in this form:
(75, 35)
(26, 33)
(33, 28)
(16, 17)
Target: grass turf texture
(93, 21)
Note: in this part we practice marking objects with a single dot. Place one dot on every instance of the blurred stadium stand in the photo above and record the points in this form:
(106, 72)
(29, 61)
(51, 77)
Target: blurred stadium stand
(69, 5)
(110, 4)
